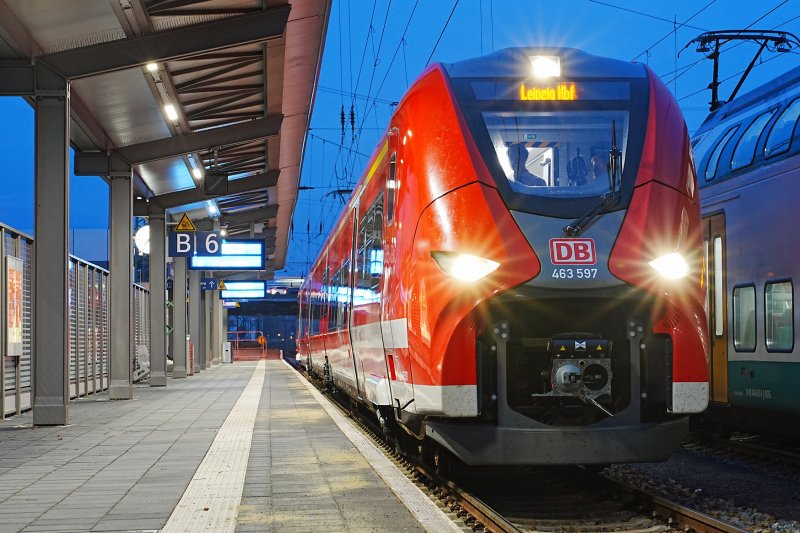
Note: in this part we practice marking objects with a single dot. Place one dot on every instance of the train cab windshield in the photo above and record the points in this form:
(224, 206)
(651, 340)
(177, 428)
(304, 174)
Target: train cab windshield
(556, 154)
(549, 144)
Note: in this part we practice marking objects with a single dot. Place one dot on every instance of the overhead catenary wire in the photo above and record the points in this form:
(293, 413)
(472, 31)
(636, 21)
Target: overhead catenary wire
(674, 30)
(759, 19)
(447, 22)
(639, 13)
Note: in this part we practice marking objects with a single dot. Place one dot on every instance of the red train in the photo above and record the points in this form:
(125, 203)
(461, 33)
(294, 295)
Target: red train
(516, 278)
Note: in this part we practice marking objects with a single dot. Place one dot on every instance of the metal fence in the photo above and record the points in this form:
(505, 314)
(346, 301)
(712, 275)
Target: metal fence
(88, 325)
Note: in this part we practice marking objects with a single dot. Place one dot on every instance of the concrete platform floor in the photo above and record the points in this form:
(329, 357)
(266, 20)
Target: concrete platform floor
(254, 446)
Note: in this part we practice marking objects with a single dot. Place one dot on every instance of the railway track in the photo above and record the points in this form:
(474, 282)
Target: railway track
(533, 499)
(768, 450)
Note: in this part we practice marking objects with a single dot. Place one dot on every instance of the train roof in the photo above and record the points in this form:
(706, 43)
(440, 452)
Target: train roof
(775, 90)
(515, 63)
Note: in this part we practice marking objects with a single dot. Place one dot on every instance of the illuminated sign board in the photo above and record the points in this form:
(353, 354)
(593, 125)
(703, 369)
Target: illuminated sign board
(551, 91)
(244, 290)
(240, 254)
(562, 91)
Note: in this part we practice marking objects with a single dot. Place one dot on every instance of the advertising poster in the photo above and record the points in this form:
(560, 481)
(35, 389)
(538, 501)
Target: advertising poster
(14, 268)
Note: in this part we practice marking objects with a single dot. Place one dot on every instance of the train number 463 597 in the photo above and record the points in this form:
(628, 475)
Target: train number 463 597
(574, 273)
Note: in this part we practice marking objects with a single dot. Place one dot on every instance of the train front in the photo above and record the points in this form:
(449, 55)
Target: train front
(581, 242)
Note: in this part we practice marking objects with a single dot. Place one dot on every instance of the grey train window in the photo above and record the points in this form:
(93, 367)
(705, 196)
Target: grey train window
(744, 318)
(779, 316)
(745, 150)
(713, 161)
(781, 135)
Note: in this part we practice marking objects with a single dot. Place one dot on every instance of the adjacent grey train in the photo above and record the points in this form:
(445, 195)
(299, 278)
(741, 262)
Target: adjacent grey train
(747, 155)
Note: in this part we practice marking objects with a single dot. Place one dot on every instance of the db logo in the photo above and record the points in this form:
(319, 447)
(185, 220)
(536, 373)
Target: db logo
(572, 252)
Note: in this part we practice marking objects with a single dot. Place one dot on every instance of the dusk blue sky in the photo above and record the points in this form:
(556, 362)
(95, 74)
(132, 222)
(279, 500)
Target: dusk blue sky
(651, 32)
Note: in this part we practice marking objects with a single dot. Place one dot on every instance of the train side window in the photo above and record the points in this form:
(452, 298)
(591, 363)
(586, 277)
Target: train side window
(745, 151)
(335, 302)
(324, 295)
(315, 307)
(370, 253)
(780, 137)
(779, 316)
(391, 187)
(713, 161)
(744, 318)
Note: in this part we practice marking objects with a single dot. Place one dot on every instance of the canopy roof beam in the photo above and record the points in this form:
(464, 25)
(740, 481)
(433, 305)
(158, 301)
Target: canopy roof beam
(185, 41)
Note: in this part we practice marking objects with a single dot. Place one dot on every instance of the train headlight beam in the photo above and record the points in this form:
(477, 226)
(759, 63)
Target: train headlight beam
(671, 266)
(464, 267)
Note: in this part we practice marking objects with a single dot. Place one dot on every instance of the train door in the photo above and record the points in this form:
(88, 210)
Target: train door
(393, 319)
(716, 304)
(365, 331)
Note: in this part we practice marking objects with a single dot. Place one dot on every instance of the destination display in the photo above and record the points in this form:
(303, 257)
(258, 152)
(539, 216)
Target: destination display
(244, 290)
(235, 254)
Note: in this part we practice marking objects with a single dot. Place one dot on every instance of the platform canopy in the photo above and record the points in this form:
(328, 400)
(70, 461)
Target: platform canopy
(240, 76)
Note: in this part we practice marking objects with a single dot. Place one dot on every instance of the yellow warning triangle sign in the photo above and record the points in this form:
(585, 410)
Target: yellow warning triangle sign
(221, 286)
(185, 224)
(563, 349)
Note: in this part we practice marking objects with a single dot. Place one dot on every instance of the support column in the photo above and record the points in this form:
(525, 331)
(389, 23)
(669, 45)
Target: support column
(179, 318)
(208, 324)
(195, 310)
(121, 282)
(223, 330)
(51, 251)
(158, 298)
(203, 339)
(216, 317)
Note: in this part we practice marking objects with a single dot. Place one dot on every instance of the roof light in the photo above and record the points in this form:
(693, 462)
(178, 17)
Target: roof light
(197, 173)
(464, 267)
(152, 67)
(213, 210)
(546, 66)
(171, 112)
(671, 266)
(142, 239)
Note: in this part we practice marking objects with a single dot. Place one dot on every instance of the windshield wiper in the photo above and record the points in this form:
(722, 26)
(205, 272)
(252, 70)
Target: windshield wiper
(608, 200)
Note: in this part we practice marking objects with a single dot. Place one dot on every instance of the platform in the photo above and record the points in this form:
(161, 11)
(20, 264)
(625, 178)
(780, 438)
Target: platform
(242, 447)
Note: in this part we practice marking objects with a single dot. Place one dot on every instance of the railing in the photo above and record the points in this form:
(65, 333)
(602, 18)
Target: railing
(88, 328)
(88, 325)
(247, 339)
(15, 370)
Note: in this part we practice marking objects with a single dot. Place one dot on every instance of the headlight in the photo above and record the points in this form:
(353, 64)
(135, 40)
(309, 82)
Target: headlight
(465, 267)
(671, 266)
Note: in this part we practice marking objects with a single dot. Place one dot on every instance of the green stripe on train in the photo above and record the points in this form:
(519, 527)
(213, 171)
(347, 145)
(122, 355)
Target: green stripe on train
(764, 385)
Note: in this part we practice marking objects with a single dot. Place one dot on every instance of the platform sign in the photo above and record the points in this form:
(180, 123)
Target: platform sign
(203, 243)
(208, 284)
(241, 290)
(238, 254)
(230, 304)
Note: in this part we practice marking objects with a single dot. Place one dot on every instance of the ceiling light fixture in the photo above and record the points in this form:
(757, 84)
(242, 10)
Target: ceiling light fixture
(171, 112)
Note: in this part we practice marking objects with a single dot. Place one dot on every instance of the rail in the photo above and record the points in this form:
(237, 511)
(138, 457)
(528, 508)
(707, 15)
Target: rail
(247, 339)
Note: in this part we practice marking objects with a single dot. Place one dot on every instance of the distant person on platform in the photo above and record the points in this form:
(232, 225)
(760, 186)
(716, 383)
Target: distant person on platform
(598, 177)
(577, 172)
(518, 156)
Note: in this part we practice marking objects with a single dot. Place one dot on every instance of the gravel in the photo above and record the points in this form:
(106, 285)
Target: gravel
(751, 495)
